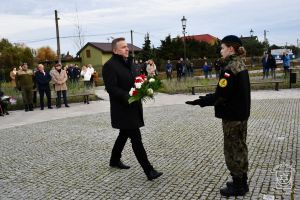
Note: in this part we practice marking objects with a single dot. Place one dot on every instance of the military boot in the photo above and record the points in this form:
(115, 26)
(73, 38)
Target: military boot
(244, 182)
(30, 107)
(26, 108)
(236, 189)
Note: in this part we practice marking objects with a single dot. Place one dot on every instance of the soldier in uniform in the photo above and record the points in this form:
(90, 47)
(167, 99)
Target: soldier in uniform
(232, 104)
(24, 81)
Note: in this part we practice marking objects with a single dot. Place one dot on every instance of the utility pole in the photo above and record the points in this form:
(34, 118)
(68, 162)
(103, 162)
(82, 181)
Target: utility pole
(265, 35)
(266, 40)
(132, 48)
(57, 37)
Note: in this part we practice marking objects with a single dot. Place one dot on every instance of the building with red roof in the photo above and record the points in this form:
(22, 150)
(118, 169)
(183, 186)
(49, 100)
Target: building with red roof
(203, 38)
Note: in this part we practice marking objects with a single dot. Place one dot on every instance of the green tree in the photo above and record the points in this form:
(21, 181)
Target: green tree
(165, 50)
(174, 49)
(146, 52)
(253, 46)
(12, 56)
(27, 56)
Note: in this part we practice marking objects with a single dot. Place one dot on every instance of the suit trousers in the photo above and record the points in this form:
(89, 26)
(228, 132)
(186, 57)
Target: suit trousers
(58, 99)
(42, 92)
(137, 146)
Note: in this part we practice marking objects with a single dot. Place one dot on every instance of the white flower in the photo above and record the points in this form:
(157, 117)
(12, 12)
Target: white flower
(150, 91)
(138, 85)
(131, 91)
(151, 80)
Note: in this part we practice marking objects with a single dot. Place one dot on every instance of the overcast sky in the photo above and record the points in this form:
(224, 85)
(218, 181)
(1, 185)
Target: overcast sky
(29, 21)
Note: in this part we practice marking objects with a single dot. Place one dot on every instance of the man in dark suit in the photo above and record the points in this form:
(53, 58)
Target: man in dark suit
(42, 79)
(118, 76)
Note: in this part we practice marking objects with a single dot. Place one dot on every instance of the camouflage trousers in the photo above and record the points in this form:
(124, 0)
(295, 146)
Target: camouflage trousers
(235, 147)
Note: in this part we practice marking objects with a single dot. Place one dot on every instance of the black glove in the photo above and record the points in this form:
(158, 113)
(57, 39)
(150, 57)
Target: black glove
(202, 101)
(195, 102)
(207, 100)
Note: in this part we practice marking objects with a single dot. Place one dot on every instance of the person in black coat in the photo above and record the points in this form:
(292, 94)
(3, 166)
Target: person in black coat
(179, 68)
(42, 80)
(272, 64)
(119, 76)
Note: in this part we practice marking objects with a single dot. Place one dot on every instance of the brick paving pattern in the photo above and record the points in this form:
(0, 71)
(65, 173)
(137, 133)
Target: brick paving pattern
(68, 158)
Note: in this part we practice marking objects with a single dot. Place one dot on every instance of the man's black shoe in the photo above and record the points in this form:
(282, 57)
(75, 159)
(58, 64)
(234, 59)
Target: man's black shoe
(119, 165)
(50, 107)
(153, 174)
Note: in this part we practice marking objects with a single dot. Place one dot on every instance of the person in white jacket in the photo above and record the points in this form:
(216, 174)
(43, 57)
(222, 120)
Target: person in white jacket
(90, 67)
(87, 74)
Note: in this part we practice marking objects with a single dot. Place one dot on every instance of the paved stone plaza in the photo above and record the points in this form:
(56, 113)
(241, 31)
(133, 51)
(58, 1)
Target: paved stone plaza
(68, 158)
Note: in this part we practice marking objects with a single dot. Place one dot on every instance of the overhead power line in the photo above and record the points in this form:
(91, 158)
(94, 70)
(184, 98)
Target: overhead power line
(73, 36)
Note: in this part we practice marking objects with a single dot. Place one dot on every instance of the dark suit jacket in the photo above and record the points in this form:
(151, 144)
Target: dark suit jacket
(118, 77)
(42, 80)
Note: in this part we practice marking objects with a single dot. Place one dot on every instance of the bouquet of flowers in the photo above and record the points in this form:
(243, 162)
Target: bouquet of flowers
(144, 88)
(8, 99)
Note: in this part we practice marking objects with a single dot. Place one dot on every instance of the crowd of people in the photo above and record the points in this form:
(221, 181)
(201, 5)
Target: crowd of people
(186, 68)
(30, 81)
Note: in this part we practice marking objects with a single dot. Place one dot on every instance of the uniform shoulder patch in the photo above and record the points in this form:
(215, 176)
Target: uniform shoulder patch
(223, 83)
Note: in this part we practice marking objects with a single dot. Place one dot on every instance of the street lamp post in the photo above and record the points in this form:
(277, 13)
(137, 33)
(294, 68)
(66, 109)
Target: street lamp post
(251, 32)
(252, 59)
(183, 21)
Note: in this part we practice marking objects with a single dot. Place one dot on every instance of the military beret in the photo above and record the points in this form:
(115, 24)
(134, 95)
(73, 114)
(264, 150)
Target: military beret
(232, 39)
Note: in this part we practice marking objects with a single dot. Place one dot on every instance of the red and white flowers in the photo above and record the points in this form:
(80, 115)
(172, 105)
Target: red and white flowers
(144, 88)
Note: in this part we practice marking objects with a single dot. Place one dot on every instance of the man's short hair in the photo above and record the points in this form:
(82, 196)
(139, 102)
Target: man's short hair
(115, 41)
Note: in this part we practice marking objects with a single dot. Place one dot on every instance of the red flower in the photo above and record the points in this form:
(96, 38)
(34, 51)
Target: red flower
(134, 93)
(139, 79)
(143, 77)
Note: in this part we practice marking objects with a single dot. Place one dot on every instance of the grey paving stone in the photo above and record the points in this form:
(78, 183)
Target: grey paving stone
(68, 158)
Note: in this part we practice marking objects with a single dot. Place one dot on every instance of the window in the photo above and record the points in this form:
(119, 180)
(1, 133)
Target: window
(88, 53)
